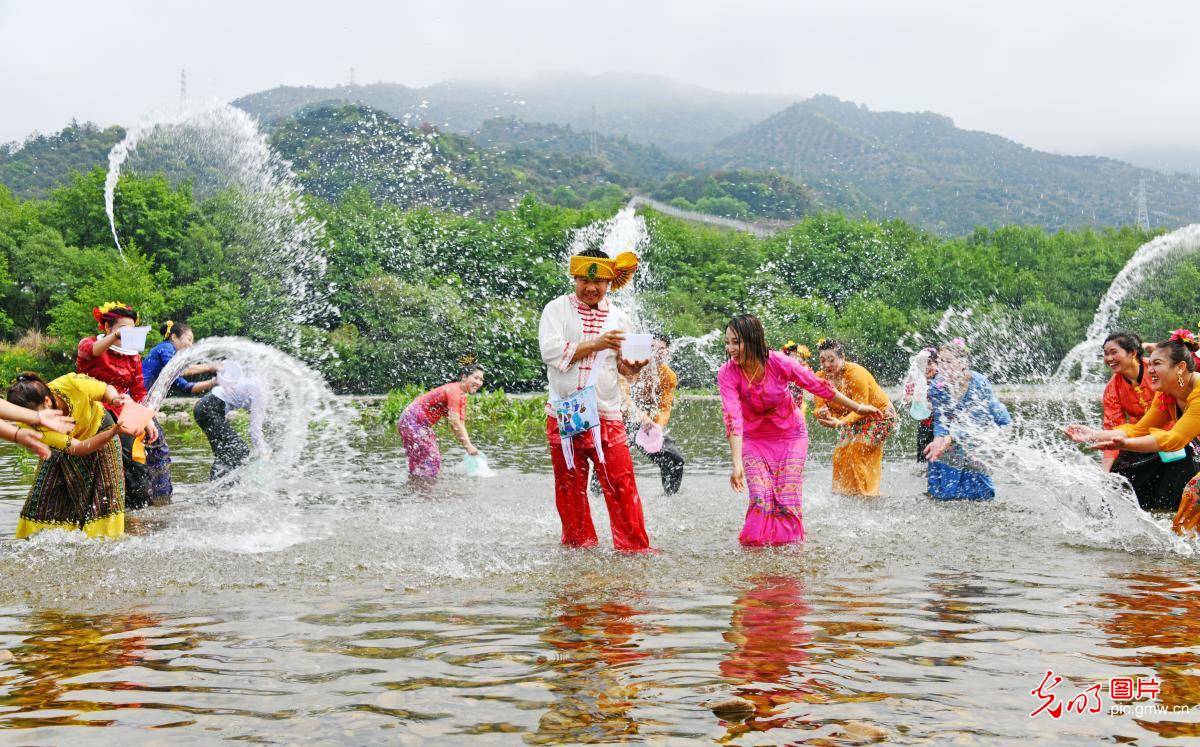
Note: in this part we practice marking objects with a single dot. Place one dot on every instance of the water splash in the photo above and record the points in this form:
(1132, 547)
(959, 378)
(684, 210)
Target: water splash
(624, 232)
(1071, 491)
(697, 359)
(274, 247)
(308, 430)
(1153, 253)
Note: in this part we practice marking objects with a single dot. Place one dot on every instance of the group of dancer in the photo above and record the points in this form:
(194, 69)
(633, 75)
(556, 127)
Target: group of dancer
(95, 465)
(595, 390)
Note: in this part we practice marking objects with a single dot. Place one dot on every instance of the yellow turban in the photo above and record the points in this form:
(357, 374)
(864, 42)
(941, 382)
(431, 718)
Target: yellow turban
(619, 270)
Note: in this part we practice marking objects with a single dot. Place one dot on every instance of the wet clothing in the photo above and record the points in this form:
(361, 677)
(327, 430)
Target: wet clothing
(615, 475)
(229, 449)
(669, 460)
(158, 468)
(124, 372)
(1175, 426)
(83, 398)
(156, 361)
(246, 394)
(924, 436)
(416, 425)
(654, 396)
(774, 444)
(432, 406)
(858, 456)
(158, 454)
(421, 446)
(1157, 484)
(84, 493)
(565, 323)
(958, 474)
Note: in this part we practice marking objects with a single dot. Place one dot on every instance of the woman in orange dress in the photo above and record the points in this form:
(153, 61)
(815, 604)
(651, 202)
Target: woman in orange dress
(1157, 484)
(1171, 423)
(858, 457)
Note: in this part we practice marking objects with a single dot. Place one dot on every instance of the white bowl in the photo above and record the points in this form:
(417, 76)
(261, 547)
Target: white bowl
(134, 338)
(636, 347)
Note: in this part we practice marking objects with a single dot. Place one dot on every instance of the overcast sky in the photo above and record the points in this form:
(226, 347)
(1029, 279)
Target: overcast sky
(1098, 76)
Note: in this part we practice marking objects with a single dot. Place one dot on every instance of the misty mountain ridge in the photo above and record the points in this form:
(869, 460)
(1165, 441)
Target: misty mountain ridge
(491, 142)
(923, 169)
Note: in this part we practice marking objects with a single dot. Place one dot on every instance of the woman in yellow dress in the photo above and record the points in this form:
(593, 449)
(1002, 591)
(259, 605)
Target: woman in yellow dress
(858, 457)
(82, 484)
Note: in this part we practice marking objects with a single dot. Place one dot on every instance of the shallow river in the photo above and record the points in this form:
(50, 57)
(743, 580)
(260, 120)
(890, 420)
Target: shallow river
(344, 608)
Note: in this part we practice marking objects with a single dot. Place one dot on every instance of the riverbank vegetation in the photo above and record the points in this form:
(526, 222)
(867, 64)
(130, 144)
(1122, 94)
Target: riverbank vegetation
(415, 290)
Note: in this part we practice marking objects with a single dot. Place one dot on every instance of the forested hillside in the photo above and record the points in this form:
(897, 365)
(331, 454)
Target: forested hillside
(923, 169)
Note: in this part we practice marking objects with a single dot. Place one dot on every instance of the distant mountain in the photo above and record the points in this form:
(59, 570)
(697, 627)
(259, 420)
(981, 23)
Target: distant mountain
(333, 148)
(922, 168)
(624, 159)
(43, 162)
(680, 118)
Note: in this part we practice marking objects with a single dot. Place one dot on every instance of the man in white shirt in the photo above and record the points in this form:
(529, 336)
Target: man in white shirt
(579, 331)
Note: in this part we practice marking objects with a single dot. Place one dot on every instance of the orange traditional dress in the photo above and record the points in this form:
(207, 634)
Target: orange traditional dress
(1175, 426)
(1157, 484)
(858, 457)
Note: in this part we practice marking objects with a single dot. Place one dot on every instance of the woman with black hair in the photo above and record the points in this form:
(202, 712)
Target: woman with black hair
(858, 457)
(1157, 484)
(1171, 425)
(177, 337)
(416, 424)
(81, 486)
(768, 441)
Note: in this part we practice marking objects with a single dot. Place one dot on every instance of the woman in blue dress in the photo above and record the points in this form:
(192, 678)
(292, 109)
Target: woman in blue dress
(177, 336)
(964, 410)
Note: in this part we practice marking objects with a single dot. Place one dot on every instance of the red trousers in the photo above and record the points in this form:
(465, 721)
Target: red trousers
(616, 480)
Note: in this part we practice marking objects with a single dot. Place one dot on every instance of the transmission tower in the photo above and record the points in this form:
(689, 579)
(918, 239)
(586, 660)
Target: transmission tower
(182, 85)
(351, 76)
(593, 140)
(1143, 214)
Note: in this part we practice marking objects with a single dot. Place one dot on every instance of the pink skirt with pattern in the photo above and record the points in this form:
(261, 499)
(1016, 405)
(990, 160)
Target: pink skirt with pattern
(775, 479)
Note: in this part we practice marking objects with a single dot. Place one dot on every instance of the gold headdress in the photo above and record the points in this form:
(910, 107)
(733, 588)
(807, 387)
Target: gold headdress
(619, 270)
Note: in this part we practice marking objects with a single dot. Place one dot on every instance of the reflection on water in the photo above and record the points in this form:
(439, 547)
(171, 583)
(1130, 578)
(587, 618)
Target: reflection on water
(1155, 624)
(64, 658)
(351, 610)
(767, 665)
(593, 646)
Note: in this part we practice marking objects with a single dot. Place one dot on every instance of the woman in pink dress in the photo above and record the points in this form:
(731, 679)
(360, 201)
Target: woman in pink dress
(416, 424)
(768, 441)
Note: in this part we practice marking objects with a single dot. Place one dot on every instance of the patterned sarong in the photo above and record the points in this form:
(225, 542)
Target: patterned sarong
(775, 480)
(421, 445)
(86, 493)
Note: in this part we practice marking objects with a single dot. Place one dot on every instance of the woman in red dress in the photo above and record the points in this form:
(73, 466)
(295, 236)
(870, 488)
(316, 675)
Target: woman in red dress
(103, 358)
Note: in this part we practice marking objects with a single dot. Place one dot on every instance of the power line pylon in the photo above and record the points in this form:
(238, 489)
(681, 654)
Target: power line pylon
(1143, 214)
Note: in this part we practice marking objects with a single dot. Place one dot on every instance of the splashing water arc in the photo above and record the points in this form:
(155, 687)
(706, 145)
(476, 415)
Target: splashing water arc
(218, 148)
(1185, 240)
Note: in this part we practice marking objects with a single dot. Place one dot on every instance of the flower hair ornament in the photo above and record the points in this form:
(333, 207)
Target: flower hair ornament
(112, 310)
(1189, 340)
(1184, 335)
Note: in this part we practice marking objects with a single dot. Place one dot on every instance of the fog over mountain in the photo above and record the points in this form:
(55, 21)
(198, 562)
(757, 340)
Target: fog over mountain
(1081, 78)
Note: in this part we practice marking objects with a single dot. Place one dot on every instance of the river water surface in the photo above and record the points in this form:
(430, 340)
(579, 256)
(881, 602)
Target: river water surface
(353, 609)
